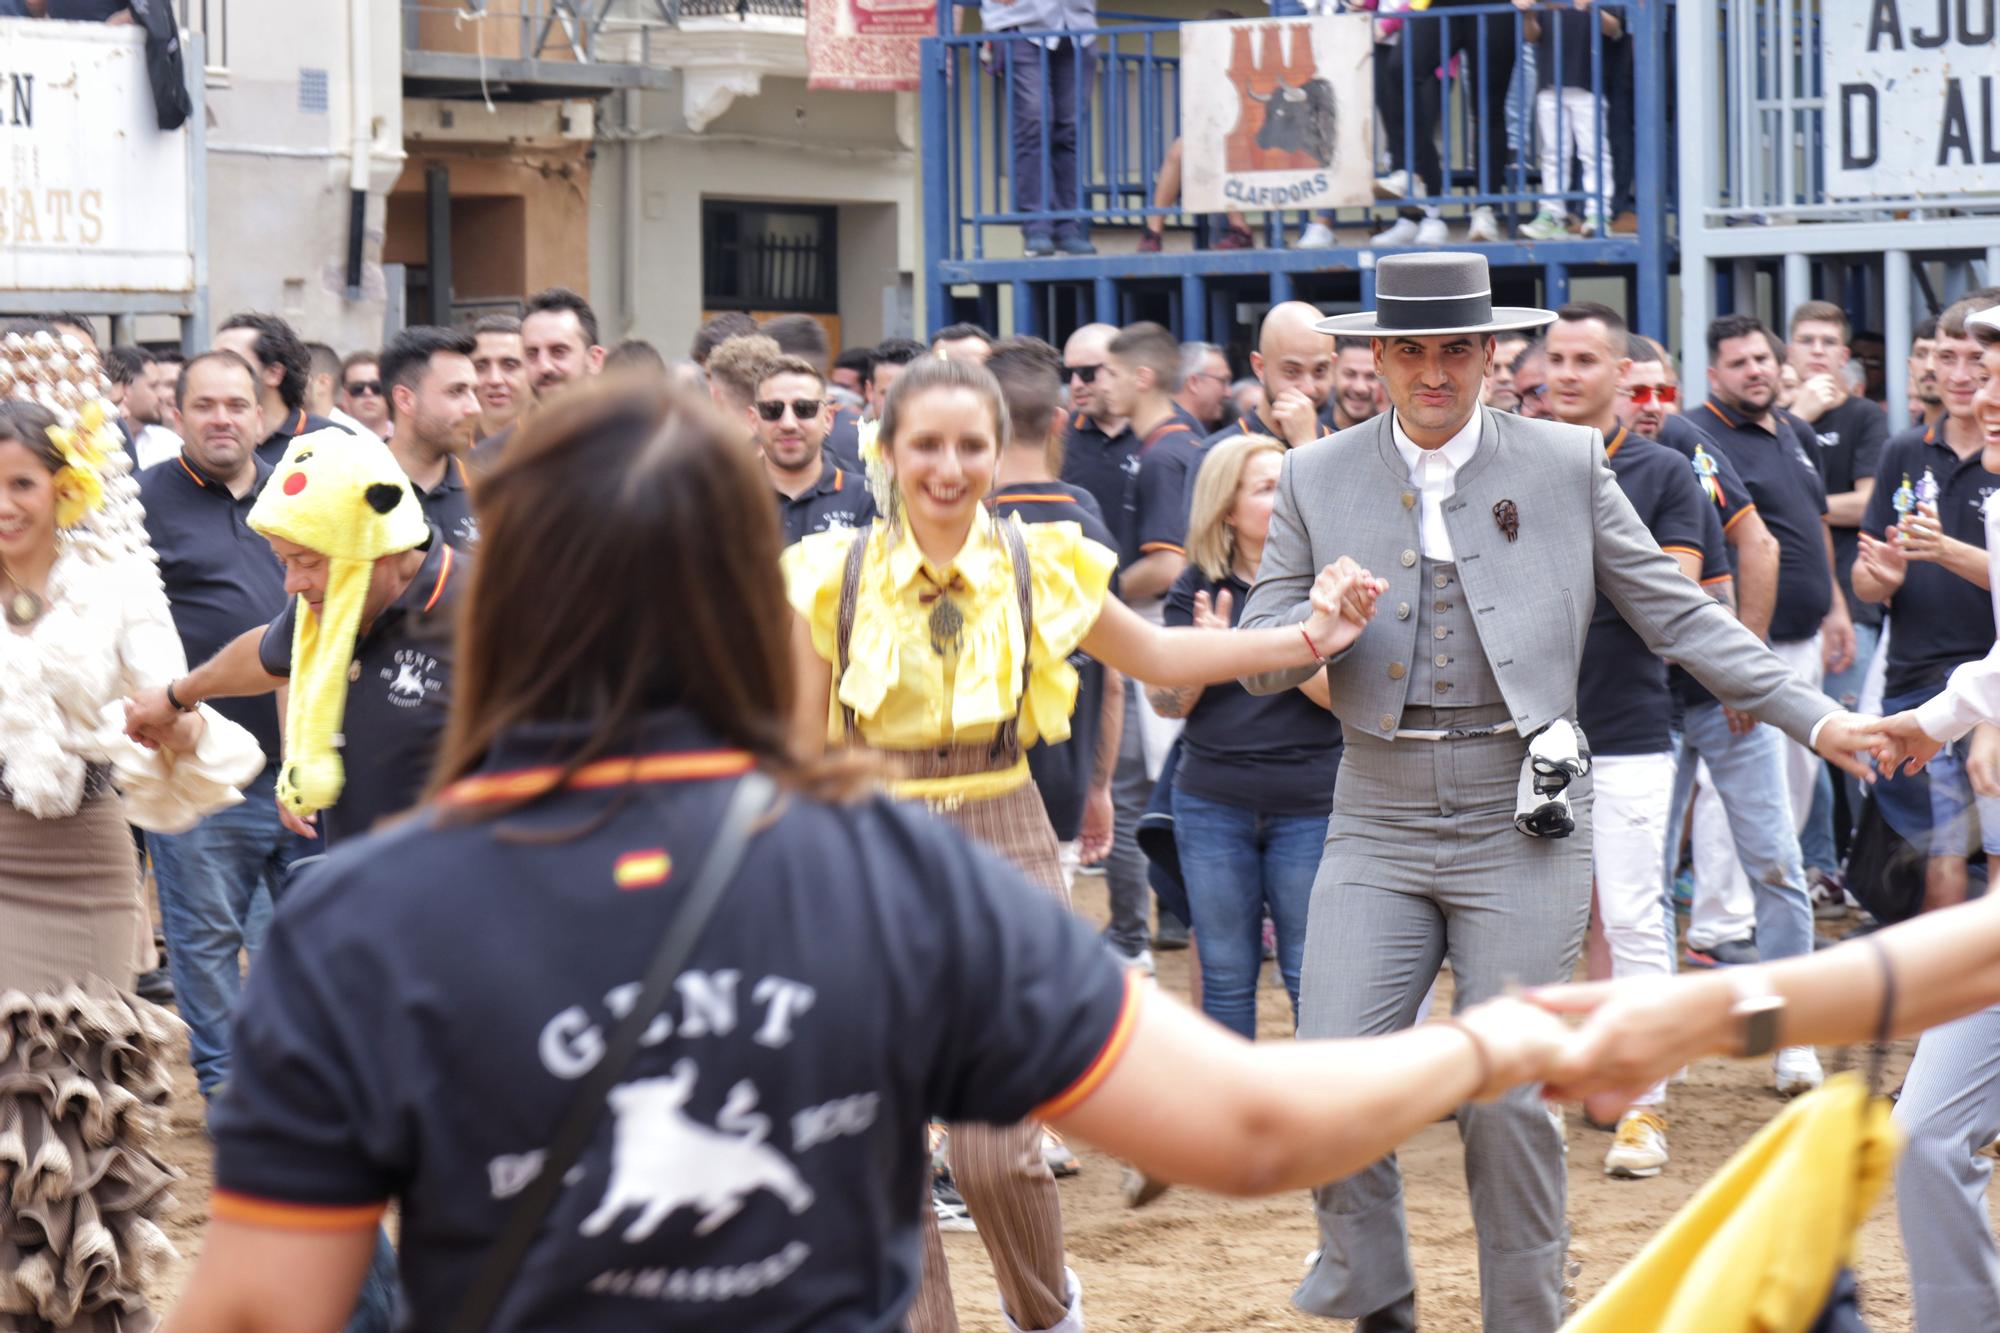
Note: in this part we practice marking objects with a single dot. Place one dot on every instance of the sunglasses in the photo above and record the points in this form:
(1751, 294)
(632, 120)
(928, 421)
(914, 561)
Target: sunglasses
(1643, 395)
(370, 388)
(805, 409)
(1088, 374)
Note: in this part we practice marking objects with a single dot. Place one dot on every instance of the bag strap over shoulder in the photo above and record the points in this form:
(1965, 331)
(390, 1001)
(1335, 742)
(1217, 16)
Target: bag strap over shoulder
(748, 804)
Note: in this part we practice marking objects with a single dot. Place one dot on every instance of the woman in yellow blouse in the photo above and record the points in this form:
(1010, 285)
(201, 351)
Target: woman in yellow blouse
(939, 639)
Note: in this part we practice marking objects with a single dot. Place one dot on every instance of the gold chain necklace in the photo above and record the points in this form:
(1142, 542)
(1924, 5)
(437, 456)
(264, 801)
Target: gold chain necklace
(24, 606)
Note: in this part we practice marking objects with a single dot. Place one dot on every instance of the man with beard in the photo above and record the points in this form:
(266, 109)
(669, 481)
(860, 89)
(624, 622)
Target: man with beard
(559, 336)
(1647, 392)
(788, 418)
(139, 410)
(1357, 389)
(1926, 400)
(433, 410)
(1294, 362)
(218, 879)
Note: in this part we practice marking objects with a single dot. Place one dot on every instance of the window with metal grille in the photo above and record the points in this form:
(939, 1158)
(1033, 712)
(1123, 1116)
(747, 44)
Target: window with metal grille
(768, 257)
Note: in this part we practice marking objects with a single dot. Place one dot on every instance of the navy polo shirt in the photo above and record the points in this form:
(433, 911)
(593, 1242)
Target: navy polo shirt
(1850, 439)
(843, 442)
(1622, 698)
(1791, 499)
(1062, 771)
(1169, 458)
(298, 421)
(431, 994)
(1937, 620)
(1276, 754)
(837, 500)
(1108, 467)
(221, 577)
(448, 506)
(1715, 476)
(397, 698)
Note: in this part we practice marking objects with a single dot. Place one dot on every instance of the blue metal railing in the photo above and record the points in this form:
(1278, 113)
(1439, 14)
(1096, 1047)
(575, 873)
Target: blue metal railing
(1128, 96)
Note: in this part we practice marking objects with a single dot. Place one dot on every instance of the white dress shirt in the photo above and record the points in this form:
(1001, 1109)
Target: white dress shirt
(1972, 695)
(1434, 474)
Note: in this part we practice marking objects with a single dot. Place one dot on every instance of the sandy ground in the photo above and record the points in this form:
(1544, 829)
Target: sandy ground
(1195, 1262)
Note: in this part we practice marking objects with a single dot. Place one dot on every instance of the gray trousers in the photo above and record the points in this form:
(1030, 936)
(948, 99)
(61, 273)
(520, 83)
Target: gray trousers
(1949, 1110)
(1423, 863)
(1131, 897)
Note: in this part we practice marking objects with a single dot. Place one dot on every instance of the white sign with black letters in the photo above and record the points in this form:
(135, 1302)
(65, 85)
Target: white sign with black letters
(1912, 98)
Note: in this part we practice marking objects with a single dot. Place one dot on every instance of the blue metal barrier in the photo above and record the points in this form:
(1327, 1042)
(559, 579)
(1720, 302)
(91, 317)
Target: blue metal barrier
(1128, 99)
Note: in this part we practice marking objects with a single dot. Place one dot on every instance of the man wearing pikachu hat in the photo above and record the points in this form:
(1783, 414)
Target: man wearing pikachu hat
(364, 647)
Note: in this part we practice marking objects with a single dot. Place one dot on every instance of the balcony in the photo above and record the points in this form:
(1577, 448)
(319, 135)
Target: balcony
(1131, 115)
(542, 50)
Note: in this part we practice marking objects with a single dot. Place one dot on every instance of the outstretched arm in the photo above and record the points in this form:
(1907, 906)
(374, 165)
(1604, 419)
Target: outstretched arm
(235, 671)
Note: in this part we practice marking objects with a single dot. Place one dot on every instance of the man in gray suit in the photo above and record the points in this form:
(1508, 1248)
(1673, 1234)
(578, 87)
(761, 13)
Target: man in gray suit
(1494, 535)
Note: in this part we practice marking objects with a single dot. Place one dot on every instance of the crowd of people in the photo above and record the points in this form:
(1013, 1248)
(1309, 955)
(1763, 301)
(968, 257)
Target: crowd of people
(1445, 637)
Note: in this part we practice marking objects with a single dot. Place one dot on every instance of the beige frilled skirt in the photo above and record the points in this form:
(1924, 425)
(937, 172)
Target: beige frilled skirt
(85, 1074)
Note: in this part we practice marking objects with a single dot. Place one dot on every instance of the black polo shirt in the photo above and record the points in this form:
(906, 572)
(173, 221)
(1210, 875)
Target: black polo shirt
(1169, 459)
(1850, 438)
(1937, 620)
(448, 506)
(1108, 467)
(430, 996)
(1622, 698)
(1062, 771)
(1195, 425)
(297, 422)
(1791, 499)
(1277, 754)
(221, 577)
(837, 500)
(399, 693)
(843, 442)
(1715, 476)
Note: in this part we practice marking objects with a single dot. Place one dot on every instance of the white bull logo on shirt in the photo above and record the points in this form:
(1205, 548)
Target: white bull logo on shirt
(662, 1161)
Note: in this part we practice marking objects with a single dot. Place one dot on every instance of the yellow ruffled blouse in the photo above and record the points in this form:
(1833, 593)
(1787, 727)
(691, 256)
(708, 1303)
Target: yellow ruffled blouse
(907, 696)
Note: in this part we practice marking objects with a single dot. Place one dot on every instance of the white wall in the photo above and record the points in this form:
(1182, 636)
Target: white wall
(278, 174)
(785, 144)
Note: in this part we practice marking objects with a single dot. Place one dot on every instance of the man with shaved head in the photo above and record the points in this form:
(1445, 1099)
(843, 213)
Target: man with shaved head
(1294, 362)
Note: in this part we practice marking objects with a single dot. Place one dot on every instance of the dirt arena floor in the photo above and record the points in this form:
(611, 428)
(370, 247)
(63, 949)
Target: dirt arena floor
(1194, 1263)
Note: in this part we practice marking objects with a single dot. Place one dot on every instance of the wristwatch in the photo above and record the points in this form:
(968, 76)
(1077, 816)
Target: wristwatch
(1756, 1011)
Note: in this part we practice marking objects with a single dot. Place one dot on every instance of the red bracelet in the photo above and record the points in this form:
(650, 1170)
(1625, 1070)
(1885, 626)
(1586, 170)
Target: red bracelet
(1311, 647)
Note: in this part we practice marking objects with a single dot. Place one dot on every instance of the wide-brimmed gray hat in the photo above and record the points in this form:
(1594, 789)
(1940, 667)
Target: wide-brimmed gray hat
(1424, 295)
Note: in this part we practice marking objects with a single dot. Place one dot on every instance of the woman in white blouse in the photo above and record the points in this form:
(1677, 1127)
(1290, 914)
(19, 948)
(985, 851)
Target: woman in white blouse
(84, 1067)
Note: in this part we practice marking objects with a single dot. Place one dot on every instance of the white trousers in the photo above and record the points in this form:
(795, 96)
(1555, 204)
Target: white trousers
(1579, 139)
(1156, 734)
(1724, 906)
(1628, 844)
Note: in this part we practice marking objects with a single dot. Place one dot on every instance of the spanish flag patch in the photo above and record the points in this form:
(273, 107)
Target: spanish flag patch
(642, 869)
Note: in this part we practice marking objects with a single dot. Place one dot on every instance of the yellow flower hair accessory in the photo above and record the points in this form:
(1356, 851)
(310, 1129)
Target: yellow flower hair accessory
(79, 489)
(88, 444)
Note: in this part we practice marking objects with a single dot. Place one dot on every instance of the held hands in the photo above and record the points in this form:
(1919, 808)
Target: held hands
(1522, 1042)
(152, 722)
(1846, 739)
(1634, 1033)
(1899, 741)
(1343, 601)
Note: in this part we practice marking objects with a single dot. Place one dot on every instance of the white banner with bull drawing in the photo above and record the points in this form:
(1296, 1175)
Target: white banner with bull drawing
(1277, 113)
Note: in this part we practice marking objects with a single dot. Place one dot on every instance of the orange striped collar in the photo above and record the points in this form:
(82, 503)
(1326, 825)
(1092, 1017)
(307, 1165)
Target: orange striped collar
(1617, 442)
(444, 574)
(521, 784)
(1052, 498)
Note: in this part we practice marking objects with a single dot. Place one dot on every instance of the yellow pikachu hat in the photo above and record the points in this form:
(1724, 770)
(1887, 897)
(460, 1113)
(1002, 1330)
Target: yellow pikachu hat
(346, 497)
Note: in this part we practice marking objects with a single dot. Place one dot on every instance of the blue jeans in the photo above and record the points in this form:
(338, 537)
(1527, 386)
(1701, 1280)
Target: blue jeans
(1749, 776)
(375, 1309)
(1817, 843)
(217, 883)
(1071, 73)
(1235, 862)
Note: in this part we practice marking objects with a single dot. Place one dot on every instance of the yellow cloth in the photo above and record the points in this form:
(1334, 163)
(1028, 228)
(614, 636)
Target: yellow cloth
(896, 683)
(1758, 1248)
(345, 497)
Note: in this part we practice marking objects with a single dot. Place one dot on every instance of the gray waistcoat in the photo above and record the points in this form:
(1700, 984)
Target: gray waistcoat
(1449, 667)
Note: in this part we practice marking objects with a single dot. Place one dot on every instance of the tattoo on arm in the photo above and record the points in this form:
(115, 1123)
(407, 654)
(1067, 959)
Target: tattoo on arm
(1171, 702)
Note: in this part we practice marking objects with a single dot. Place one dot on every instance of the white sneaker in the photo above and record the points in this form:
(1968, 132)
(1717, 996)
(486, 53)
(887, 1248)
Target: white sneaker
(1316, 236)
(1403, 231)
(1142, 960)
(1546, 226)
(1797, 1071)
(1640, 1149)
(1432, 231)
(1392, 185)
(1485, 226)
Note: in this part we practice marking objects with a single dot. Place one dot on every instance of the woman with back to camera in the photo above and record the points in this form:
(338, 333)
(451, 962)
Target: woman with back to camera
(1254, 786)
(85, 1066)
(433, 993)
